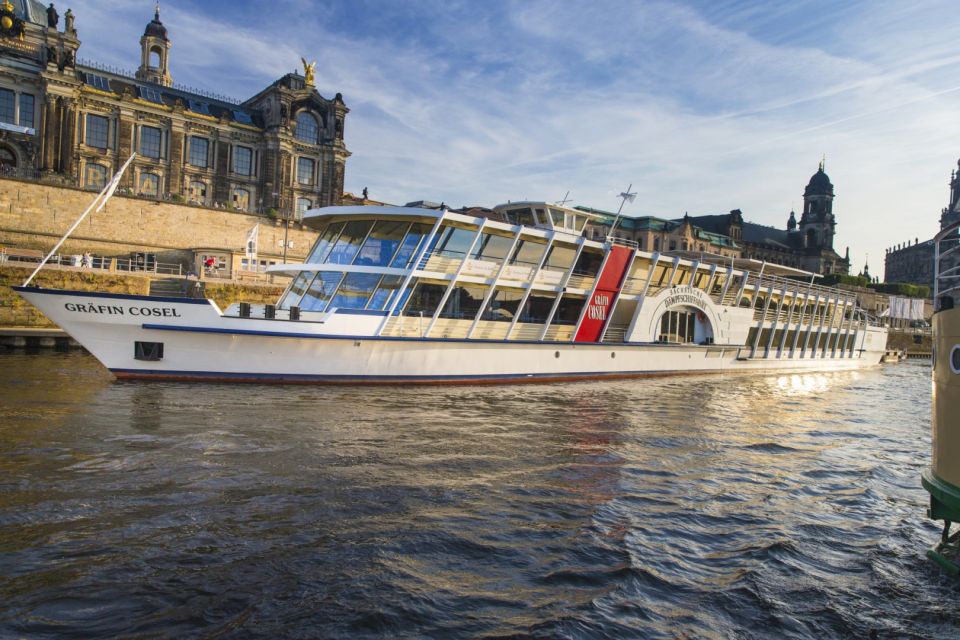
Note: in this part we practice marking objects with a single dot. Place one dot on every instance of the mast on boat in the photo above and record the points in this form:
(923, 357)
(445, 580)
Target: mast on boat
(102, 198)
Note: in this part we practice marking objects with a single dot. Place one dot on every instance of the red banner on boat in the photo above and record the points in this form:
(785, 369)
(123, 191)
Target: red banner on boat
(608, 285)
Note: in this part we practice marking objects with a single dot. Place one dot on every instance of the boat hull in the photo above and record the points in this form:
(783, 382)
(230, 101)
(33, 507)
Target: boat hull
(199, 343)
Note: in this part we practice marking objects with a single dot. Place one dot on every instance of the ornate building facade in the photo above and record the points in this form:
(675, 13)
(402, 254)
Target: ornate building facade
(912, 263)
(806, 245)
(76, 123)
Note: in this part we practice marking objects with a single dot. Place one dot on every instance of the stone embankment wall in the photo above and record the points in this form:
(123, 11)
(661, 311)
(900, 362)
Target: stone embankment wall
(35, 216)
(17, 312)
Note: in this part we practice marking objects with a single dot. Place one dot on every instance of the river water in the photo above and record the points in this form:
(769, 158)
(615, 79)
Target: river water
(764, 506)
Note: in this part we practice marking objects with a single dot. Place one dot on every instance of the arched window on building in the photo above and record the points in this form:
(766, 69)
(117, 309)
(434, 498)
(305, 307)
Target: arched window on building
(95, 176)
(241, 199)
(8, 160)
(198, 192)
(149, 184)
(303, 205)
(307, 129)
(811, 238)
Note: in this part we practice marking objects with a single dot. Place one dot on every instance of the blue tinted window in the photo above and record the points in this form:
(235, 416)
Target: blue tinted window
(382, 243)
(383, 296)
(325, 242)
(150, 142)
(26, 110)
(97, 132)
(242, 160)
(452, 242)
(307, 129)
(7, 111)
(408, 248)
(349, 242)
(296, 291)
(355, 290)
(199, 151)
(320, 291)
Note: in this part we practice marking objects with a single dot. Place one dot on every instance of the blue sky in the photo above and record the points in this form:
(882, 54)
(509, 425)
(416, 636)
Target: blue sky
(703, 106)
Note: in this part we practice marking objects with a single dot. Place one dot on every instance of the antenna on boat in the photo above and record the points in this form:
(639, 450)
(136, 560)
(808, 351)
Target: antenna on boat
(626, 195)
(102, 198)
(565, 200)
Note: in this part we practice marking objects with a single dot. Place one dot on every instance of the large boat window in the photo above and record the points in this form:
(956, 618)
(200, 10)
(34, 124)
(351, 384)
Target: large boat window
(588, 264)
(523, 216)
(296, 290)
(568, 311)
(324, 242)
(537, 309)
(560, 258)
(425, 299)
(677, 326)
(408, 248)
(452, 242)
(492, 247)
(464, 302)
(355, 290)
(320, 291)
(385, 293)
(382, 243)
(557, 216)
(503, 305)
(528, 252)
(348, 244)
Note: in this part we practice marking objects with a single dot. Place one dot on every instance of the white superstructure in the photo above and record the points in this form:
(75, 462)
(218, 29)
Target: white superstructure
(397, 294)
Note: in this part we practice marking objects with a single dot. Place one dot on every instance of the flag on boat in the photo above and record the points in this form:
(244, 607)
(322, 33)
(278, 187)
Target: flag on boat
(251, 248)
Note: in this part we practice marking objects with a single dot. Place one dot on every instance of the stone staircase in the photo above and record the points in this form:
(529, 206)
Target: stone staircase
(167, 287)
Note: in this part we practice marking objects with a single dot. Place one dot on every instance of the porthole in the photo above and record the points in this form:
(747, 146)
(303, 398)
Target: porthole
(613, 354)
(556, 354)
(955, 358)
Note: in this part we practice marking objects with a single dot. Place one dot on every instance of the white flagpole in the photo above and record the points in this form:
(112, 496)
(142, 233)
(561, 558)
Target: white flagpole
(626, 195)
(102, 198)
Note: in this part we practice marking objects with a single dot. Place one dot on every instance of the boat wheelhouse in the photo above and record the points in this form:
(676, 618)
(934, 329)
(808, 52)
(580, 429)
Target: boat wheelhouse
(405, 293)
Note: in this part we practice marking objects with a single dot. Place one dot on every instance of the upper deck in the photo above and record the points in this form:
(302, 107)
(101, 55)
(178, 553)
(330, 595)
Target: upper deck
(534, 276)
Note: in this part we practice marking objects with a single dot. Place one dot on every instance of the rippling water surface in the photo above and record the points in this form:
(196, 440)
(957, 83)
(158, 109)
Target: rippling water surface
(781, 506)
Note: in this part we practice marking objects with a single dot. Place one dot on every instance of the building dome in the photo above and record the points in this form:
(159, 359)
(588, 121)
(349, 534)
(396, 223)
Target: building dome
(819, 184)
(155, 28)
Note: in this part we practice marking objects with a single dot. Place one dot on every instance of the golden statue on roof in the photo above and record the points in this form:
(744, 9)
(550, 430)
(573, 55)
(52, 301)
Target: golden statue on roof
(308, 68)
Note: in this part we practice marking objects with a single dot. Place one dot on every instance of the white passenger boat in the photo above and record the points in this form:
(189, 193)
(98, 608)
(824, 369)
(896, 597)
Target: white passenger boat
(401, 294)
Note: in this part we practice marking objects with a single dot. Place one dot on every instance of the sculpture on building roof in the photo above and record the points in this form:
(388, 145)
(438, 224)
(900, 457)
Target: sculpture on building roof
(52, 16)
(68, 22)
(308, 68)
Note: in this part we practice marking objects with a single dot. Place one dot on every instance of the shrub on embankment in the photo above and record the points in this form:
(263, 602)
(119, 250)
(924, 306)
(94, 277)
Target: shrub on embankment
(17, 312)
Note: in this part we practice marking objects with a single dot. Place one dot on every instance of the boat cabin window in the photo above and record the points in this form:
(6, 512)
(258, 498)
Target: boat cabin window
(408, 248)
(464, 302)
(537, 309)
(385, 293)
(677, 326)
(425, 299)
(588, 264)
(320, 291)
(452, 242)
(568, 311)
(528, 252)
(325, 241)
(296, 291)
(522, 215)
(354, 292)
(492, 247)
(503, 305)
(348, 244)
(382, 243)
(556, 216)
(560, 258)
